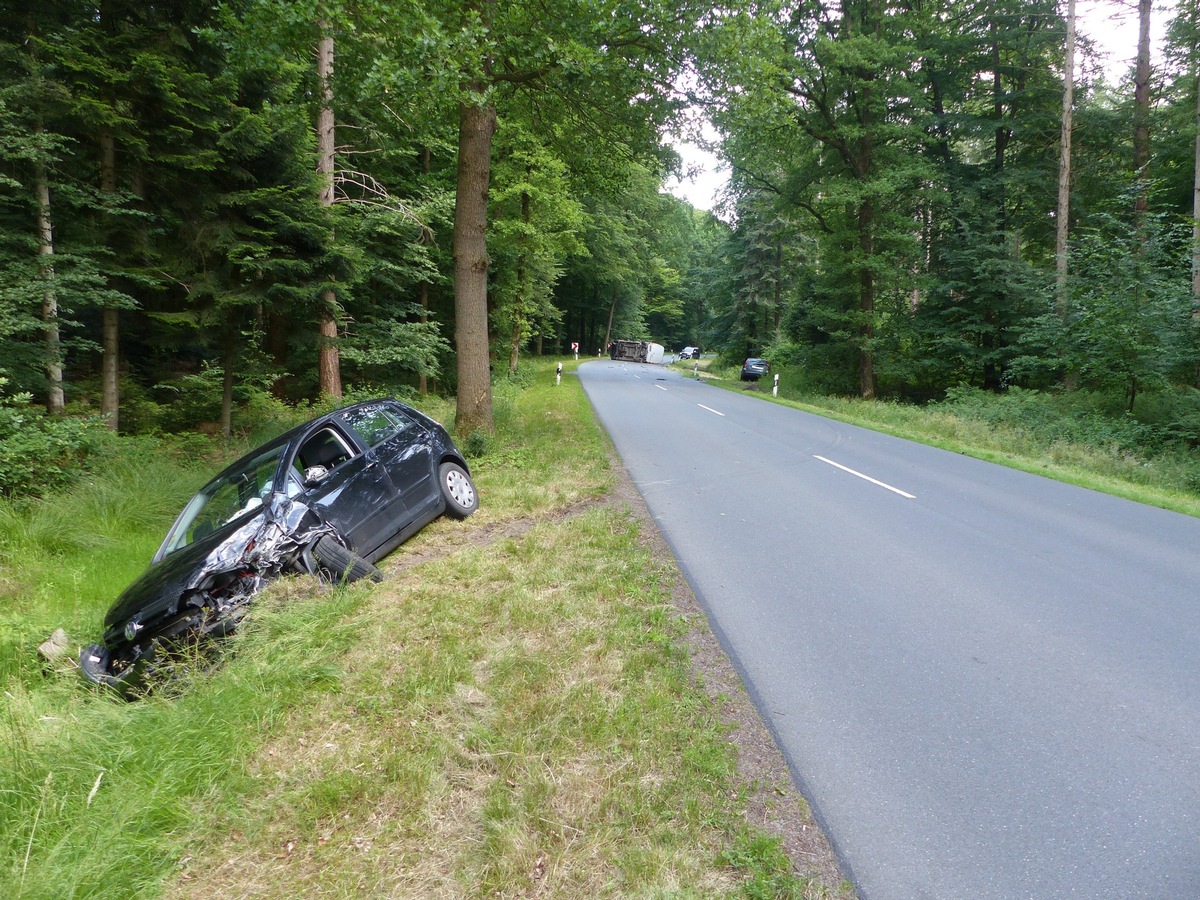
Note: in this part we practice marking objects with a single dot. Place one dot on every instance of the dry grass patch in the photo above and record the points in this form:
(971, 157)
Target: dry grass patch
(515, 722)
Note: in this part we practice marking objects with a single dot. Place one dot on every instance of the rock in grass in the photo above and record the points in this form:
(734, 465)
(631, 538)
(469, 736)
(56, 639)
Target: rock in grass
(56, 650)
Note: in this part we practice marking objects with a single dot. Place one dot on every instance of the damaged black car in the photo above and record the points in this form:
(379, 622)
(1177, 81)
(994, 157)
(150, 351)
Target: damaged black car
(329, 498)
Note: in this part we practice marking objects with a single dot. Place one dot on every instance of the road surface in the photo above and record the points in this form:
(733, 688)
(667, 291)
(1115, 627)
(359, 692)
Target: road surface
(986, 683)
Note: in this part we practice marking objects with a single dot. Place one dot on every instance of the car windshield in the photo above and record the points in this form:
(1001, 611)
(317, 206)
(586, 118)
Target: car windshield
(227, 497)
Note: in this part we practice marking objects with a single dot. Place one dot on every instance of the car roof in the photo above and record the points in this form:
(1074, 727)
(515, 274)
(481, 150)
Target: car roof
(297, 430)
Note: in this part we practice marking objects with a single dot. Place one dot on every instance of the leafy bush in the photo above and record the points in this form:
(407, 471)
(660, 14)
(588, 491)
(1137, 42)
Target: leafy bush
(1078, 417)
(1130, 327)
(1173, 416)
(39, 453)
(261, 416)
(191, 399)
(816, 368)
(478, 444)
(1153, 444)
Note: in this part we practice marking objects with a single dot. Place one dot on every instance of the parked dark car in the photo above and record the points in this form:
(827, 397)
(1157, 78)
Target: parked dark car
(330, 498)
(754, 369)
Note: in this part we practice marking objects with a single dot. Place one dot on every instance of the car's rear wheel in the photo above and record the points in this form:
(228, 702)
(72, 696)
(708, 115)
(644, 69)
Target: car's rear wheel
(342, 564)
(458, 489)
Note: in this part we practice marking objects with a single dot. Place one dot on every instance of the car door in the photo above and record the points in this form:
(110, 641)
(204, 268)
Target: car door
(403, 447)
(357, 495)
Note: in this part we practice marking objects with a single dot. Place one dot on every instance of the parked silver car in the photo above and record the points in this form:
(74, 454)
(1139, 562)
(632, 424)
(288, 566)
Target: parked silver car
(754, 369)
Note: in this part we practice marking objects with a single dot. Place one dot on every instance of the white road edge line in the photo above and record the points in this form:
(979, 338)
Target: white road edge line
(711, 410)
(660, 387)
(894, 490)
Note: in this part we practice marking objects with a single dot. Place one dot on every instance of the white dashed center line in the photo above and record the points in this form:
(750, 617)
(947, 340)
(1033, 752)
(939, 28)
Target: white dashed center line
(894, 490)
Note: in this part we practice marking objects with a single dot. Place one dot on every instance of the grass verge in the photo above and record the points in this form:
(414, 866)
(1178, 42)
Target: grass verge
(512, 713)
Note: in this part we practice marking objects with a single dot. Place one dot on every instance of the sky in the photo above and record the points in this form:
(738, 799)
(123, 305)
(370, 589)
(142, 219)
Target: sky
(1112, 24)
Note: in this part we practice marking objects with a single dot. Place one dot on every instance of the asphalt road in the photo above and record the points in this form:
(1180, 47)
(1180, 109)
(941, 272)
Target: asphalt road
(986, 683)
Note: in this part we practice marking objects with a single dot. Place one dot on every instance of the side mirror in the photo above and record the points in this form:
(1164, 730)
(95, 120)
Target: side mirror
(314, 475)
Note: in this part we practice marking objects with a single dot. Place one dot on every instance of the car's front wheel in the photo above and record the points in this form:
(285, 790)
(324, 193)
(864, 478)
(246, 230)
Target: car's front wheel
(458, 489)
(341, 563)
(184, 644)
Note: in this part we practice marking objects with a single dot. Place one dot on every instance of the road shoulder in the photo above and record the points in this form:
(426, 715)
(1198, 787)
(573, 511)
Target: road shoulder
(773, 802)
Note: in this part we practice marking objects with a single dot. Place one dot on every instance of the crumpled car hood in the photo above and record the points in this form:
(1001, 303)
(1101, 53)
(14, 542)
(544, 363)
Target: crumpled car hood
(261, 543)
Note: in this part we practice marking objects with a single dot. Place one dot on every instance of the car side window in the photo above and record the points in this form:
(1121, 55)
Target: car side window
(295, 484)
(376, 424)
(324, 448)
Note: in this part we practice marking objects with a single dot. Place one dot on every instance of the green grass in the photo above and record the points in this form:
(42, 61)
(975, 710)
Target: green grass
(513, 716)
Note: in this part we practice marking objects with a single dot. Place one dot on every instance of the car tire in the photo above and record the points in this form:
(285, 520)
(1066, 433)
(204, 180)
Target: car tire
(342, 564)
(458, 489)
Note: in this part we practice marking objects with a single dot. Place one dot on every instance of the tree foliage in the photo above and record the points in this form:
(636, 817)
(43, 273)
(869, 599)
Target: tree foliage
(889, 226)
(895, 188)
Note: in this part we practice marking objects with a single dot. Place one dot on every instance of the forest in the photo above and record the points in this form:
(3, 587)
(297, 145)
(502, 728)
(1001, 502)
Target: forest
(210, 206)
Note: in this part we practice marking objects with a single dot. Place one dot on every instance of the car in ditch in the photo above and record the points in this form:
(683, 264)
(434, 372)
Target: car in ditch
(754, 369)
(330, 498)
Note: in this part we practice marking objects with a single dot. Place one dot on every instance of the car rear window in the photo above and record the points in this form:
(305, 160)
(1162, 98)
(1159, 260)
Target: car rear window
(375, 424)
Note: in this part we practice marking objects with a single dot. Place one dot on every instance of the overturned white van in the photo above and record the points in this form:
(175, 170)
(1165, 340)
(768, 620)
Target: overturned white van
(636, 351)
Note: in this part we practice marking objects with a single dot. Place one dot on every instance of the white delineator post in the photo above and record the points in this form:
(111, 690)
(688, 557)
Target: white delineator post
(775, 389)
(558, 374)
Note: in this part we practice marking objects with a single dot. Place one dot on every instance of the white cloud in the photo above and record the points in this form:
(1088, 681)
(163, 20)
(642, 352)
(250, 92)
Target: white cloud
(703, 178)
(1113, 26)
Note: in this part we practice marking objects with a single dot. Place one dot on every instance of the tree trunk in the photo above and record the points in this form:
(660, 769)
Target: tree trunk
(514, 351)
(110, 384)
(329, 373)
(612, 308)
(51, 336)
(866, 297)
(477, 125)
(521, 300)
(1141, 112)
(1062, 217)
(329, 366)
(110, 344)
